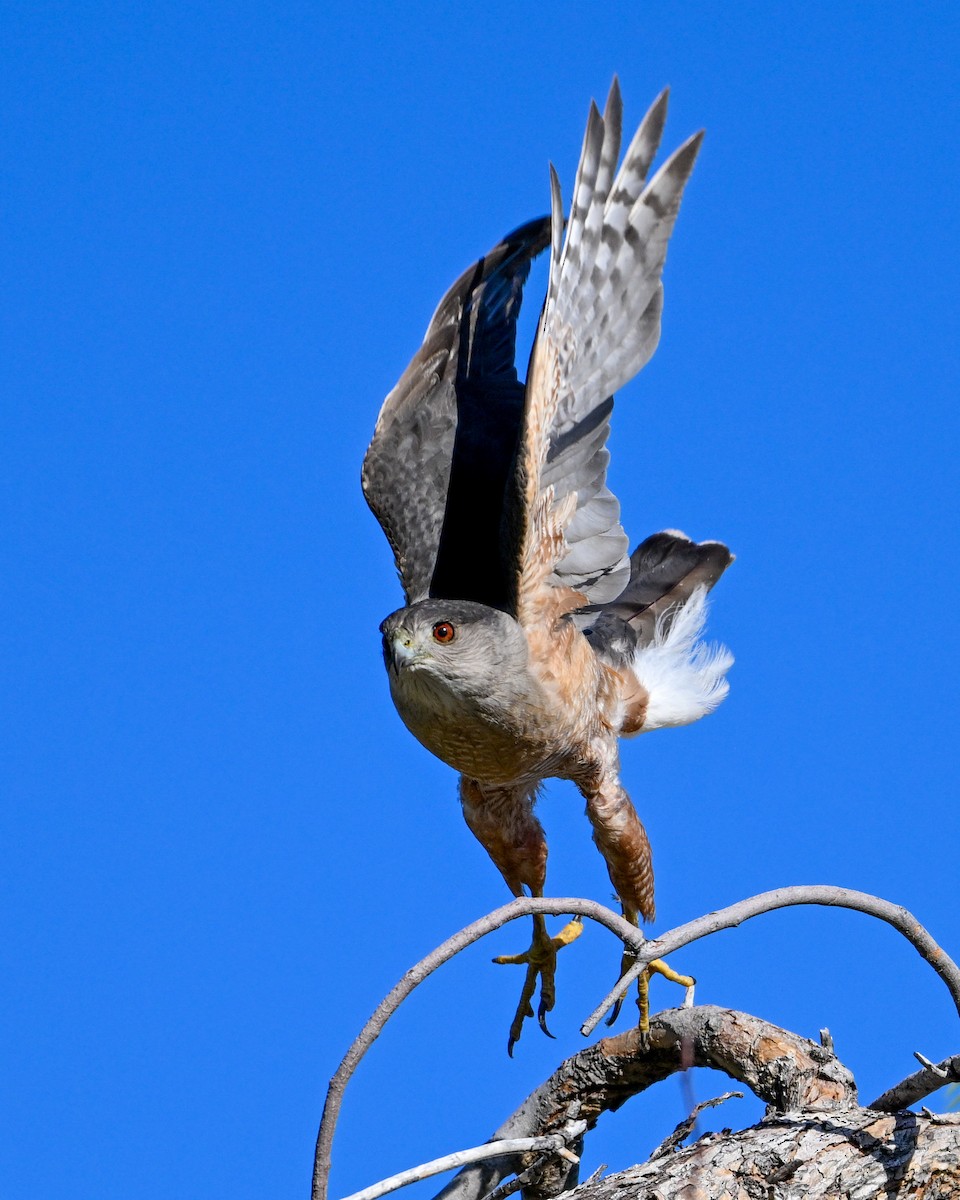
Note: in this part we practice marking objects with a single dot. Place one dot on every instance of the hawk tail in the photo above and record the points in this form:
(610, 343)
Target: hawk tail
(684, 677)
(653, 629)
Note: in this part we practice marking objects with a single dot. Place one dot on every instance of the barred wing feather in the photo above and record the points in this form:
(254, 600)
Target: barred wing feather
(600, 325)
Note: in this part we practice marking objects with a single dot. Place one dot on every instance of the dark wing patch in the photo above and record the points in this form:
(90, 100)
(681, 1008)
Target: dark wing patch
(471, 557)
(436, 469)
(664, 570)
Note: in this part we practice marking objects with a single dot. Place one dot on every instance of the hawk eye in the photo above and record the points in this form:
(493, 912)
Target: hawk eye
(444, 632)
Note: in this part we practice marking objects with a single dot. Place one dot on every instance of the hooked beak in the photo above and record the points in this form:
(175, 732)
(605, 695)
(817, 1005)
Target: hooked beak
(400, 650)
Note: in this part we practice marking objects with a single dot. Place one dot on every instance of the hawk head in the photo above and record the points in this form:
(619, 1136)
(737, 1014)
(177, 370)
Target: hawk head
(459, 645)
(460, 678)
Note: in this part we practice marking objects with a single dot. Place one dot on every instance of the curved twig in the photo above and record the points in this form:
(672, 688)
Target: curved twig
(522, 907)
(461, 1158)
(673, 1141)
(836, 897)
(645, 951)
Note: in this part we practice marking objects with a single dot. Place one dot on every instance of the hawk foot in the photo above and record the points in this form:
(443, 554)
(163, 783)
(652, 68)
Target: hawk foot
(656, 967)
(541, 963)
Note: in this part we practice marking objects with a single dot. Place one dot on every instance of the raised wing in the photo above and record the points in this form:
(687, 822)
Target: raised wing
(600, 325)
(436, 472)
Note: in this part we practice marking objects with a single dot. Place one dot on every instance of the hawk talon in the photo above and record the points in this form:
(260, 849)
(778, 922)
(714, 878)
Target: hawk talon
(542, 1019)
(524, 1010)
(656, 966)
(626, 962)
(541, 963)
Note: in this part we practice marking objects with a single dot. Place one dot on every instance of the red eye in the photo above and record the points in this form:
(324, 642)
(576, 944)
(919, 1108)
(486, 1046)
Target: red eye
(444, 632)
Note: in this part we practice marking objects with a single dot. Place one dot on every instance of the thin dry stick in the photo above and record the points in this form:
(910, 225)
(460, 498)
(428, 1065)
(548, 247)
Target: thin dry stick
(835, 897)
(557, 1142)
(522, 907)
(676, 1139)
(645, 951)
(919, 1085)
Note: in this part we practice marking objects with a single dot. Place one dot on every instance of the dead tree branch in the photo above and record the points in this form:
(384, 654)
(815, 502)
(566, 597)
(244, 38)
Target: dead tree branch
(645, 952)
(676, 1139)
(853, 1152)
(786, 1071)
(557, 1142)
(919, 1085)
(823, 894)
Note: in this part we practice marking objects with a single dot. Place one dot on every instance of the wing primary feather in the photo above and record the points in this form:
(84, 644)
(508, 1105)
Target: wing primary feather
(583, 191)
(600, 324)
(612, 126)
(556, 228)
(636, 163)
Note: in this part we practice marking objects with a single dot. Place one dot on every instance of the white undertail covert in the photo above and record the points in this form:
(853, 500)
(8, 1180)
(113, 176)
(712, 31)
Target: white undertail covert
(684, 676)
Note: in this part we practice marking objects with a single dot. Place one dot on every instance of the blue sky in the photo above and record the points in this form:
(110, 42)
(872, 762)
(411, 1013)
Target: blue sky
(226, 228)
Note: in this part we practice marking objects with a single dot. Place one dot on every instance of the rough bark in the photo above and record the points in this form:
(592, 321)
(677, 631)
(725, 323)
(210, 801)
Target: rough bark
(525, 1121)
(854, 1153)
(815, 1140)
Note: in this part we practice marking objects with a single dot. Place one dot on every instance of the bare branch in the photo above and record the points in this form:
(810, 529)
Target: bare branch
(823, 894)
(786, 1071)
(519, 1181)
(851, 1152)
(555, 1142)
(522, 907)
(688, 1124)
(925, 1062)
(645, 952)
(919, 1085)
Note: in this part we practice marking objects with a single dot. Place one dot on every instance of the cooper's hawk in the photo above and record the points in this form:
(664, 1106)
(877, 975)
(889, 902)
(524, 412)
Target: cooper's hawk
(531, 640)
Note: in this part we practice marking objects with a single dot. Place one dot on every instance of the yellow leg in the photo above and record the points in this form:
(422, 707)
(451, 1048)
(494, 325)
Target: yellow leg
(656, 967)
(541, 963)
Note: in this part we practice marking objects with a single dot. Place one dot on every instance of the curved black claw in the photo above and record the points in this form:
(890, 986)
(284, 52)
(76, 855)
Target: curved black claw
(615, 1011)
(542, 1018)
(541, 963)
(626, 962)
